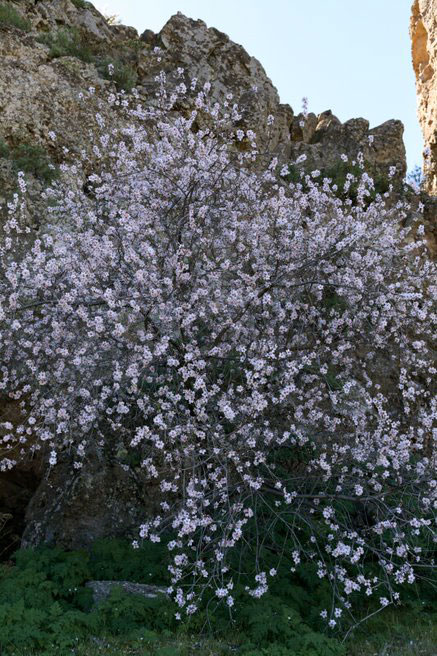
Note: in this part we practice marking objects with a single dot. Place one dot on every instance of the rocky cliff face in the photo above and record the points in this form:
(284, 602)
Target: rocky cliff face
(68, 44)
(423, 30)
(61, 48)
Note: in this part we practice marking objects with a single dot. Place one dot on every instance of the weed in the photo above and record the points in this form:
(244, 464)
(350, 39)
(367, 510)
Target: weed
(135, 44)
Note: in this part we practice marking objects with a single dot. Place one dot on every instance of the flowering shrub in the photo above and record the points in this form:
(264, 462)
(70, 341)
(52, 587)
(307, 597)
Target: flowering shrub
(264, 346)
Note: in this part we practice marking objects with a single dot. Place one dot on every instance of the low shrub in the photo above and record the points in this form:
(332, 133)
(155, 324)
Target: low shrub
(44, 604)
(79, 4)
(345, 179)
(116, 560)
(122, 73)
(70, 43)
(279, 630)
(67, 43)
(33, 159)
(10, 16)
(30, 158)
(4, 149)
(46, 608)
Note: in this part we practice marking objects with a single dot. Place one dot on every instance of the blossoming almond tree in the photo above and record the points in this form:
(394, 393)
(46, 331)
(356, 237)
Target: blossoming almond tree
(265, 348)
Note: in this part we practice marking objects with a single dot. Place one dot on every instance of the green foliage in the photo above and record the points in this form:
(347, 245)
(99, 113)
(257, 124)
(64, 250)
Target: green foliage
(135, 44)
(10, 16)
(124, 74)
(33, 159)
(30, 158)
(339, 175)
(4, 149)
(37, 607)
(396, 632)
(273, 625)
(65, 569)
(80, 4)
(126, 614)
(116, 560)
(44, 603)
(45, 608)
(67, 42)
(332, 301)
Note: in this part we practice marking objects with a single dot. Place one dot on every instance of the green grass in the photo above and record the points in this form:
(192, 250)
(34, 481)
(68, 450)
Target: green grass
(10, 16)
(396, 635)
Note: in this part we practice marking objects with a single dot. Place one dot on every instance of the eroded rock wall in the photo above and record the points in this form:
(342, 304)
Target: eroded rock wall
(39, 92)
(423, 30)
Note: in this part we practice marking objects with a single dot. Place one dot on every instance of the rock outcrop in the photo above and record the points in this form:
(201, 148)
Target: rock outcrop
(39, 86)
(107, 497)
(39, 94)
(323, 139)
(423, 31)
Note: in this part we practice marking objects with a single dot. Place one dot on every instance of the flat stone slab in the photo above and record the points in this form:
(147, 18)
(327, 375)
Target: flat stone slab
(102, 589)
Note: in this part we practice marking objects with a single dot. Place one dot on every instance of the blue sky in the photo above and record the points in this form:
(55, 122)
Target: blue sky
(351, 56)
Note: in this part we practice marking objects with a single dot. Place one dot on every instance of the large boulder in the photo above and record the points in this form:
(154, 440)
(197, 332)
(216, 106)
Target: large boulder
(72, 507)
